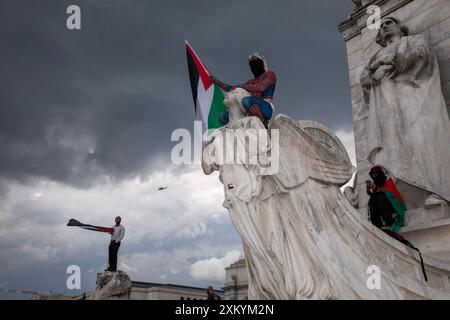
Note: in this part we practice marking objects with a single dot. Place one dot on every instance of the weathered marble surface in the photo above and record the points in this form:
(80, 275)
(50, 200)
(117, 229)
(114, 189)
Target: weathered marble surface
(302, 238)
(431, 18)
(112, 286)
(408, 124)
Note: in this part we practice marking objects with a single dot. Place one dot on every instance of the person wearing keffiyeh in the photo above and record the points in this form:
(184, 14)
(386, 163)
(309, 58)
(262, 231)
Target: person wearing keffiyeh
(261, 89)
(387, 208)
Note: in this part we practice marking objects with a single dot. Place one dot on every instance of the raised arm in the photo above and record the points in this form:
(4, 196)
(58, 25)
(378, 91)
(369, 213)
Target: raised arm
(376, 69)
(222, 85)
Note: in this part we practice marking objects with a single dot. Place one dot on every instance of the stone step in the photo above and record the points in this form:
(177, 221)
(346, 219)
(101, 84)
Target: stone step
(425, 218)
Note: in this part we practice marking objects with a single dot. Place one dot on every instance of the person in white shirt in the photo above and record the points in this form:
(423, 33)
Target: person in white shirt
(116, 238)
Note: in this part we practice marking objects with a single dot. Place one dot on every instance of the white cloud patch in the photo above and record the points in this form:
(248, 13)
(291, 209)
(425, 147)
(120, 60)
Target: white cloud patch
(41, 253)
(192, 230)
(214, 268)
(128, 269)
(348, 140)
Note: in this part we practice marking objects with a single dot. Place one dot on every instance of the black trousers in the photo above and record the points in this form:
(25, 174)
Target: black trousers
(381, 210)
(112, 260)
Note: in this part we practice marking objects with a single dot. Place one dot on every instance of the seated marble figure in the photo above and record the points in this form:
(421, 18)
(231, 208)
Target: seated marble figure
(408, 130)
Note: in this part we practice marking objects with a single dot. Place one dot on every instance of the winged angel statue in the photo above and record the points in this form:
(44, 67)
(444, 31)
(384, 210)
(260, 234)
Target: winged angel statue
(302, 239)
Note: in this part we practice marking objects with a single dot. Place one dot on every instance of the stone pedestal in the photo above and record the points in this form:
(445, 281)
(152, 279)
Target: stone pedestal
(112, 286)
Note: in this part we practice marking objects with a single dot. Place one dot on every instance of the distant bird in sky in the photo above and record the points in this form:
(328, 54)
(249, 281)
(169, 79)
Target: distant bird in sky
(162, 188)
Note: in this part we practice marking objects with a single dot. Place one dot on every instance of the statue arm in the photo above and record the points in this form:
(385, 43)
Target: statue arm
(375, 71)
(379, 67)
(366, 81)
(382, 64)
(385, 70)
(413, 50)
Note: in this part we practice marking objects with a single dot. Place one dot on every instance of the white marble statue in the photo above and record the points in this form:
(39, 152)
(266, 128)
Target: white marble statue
(302, 239)
(234, 105)
(408, 124)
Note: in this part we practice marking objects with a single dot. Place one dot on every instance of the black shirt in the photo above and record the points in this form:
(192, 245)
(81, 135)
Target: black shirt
(381, 209)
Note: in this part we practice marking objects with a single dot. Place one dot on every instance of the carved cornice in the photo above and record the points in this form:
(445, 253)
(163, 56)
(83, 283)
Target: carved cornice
(356, 22)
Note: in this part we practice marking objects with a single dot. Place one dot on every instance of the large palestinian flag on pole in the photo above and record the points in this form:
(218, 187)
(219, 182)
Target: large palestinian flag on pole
(76, 223)
(208, 97)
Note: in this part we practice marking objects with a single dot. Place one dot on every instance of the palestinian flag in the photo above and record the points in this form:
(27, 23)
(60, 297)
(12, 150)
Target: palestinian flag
(76, 223)
(208, 97)
(391, 192)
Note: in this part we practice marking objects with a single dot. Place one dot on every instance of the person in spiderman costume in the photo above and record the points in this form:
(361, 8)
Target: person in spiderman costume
(261, 89)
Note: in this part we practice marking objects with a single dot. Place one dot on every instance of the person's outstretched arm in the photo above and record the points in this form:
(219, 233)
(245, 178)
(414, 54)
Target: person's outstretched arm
(222, 85)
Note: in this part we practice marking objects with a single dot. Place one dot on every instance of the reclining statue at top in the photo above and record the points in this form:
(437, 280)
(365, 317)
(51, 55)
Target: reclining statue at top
(408, 124)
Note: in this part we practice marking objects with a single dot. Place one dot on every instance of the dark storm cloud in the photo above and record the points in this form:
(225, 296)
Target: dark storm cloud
(103, 100)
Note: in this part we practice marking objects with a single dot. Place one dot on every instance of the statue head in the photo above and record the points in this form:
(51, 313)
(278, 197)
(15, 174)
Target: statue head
(233, 103)
(257, 64)
(390, 28)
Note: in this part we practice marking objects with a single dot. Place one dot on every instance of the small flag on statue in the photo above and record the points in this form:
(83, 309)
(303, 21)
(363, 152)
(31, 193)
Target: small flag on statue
(208, 97)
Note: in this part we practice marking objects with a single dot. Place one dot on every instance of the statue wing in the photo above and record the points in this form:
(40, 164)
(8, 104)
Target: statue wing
(309, 149)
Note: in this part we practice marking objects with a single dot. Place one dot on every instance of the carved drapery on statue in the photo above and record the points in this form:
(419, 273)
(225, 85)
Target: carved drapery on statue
(278, 241)
(408, 124)
(302, 239)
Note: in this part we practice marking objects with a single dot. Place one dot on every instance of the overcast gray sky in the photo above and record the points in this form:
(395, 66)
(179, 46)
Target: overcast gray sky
(86, 118)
